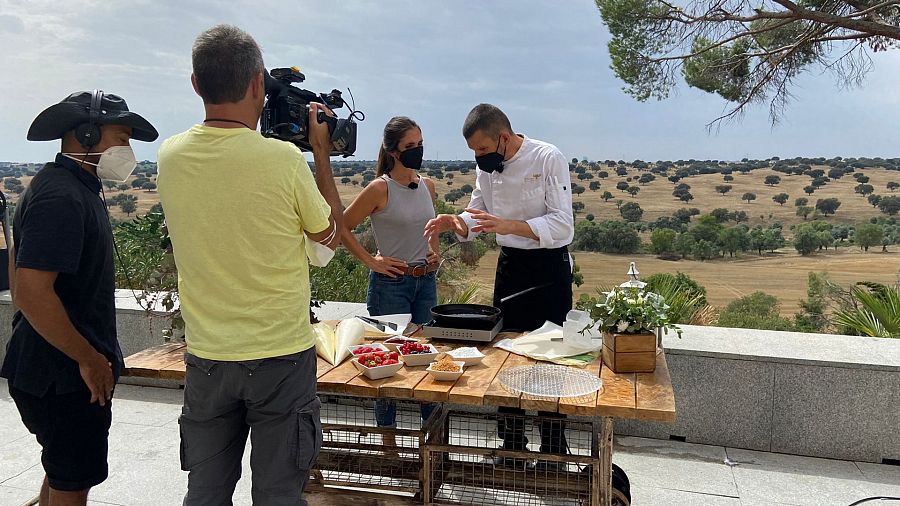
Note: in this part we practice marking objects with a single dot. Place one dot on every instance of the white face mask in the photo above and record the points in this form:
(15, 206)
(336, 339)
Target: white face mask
(318, 254)
(115, 164)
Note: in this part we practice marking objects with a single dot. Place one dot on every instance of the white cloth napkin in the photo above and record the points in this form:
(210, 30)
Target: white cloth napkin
(549, 343)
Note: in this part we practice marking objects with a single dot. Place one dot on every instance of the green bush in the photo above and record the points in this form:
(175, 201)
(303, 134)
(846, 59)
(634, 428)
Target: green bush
(344, 279)
(755, 311)
(683, 283)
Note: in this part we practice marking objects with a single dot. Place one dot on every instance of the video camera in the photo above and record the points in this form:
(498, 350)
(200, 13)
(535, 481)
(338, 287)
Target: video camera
(285, 115)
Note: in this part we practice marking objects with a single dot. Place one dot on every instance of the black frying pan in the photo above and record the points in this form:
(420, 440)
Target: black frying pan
(474, 316)
(466, 316)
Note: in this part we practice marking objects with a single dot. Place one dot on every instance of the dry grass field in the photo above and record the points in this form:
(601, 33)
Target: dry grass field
(656, 197)
(782, 274)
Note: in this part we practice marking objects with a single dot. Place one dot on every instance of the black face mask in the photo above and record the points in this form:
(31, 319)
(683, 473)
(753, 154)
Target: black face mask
(492, 161)
(412, 157)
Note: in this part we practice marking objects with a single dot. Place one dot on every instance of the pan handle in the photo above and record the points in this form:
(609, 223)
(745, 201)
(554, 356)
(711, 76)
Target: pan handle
(506, 299)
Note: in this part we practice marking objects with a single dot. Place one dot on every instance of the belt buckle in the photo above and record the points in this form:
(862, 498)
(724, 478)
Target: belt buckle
(415, 271)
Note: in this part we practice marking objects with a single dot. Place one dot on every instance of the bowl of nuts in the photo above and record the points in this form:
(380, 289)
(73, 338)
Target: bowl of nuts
(446, 369)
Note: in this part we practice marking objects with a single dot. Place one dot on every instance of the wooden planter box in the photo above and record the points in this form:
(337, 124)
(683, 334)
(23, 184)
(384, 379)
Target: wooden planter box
(629, 352)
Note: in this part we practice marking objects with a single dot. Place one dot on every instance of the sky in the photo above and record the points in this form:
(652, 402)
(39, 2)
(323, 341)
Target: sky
(545, 63)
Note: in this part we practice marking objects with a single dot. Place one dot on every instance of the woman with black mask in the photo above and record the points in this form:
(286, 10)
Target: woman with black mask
(400, 202)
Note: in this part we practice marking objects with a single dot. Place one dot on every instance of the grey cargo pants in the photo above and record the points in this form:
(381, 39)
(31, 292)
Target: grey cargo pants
(274, 401)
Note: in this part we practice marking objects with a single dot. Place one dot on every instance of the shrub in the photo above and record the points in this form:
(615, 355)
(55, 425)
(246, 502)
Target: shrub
(755, 311)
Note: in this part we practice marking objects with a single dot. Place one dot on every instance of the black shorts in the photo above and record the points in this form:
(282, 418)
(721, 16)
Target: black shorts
(73, 433)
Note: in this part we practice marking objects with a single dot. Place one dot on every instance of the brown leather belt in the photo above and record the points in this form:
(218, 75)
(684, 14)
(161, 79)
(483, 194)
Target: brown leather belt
(417, 271)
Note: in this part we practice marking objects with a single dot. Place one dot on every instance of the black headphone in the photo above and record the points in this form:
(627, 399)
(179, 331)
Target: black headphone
(88, 134)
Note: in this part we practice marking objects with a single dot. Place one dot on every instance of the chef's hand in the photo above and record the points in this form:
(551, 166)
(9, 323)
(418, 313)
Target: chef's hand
(445, 222)
(489, 223)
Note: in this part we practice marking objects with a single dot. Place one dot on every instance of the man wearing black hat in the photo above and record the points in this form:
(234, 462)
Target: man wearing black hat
(63, 359)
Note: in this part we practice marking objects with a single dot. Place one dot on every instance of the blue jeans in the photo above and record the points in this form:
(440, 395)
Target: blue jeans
(403, 294)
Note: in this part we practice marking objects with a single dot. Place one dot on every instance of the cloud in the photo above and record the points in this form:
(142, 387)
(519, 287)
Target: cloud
(11, 24)
(545, 63)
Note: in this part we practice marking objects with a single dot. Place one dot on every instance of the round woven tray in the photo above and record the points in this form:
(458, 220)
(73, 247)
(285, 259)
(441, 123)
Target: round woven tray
(551, 381)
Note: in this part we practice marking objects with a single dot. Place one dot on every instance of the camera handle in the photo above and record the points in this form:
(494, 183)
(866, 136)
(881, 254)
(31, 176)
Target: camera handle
(332, 121)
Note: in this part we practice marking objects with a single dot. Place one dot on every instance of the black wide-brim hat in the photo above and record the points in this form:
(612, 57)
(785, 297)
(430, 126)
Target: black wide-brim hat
(54, 121)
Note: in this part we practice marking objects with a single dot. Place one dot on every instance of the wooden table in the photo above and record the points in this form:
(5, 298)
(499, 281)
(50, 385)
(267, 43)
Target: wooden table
(643, 396)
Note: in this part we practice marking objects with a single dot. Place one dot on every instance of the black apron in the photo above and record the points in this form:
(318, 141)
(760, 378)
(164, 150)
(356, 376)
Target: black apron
(521, 269)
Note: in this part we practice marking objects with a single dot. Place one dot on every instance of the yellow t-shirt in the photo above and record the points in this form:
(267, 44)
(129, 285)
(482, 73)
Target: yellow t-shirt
(237, 205)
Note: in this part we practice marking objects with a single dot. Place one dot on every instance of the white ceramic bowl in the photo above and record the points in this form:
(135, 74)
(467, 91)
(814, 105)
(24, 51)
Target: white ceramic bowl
(396, 346)
(469, 359)
(446, 375)
(380, 372)
(374, 346)
(421, 358)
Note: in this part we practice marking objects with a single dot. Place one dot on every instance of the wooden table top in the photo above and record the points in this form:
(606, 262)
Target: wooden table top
(643, 396)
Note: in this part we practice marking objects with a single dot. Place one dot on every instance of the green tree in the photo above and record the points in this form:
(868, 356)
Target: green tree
(804, 211)
(772, 180)
(631, 212)
(128, 206)
(749, 197)
(874, 199)
(746, 53)
(607, 196)
(755, 311)
(594, 185)
(662, 240)
(707, 228)
(122, 187)
(893, 185)
(806, 239)
(720, 214)
(577, 207)
(809, 189)
(633, 190)
(684, 244)
(620, 238)
(723, 188)
(802, 201)
(868, 234)
(705, 250)
(864, 189)
(828, 206)
(734, 239)
(889, 205)
(781, 198)
(149, 186)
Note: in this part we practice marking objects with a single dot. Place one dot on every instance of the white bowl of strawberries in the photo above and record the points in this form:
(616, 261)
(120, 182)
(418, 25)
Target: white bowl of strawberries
(376, 363)
(415, 354)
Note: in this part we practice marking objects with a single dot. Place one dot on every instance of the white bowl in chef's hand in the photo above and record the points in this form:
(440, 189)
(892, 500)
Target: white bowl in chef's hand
(446, 375)
(469, 356)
